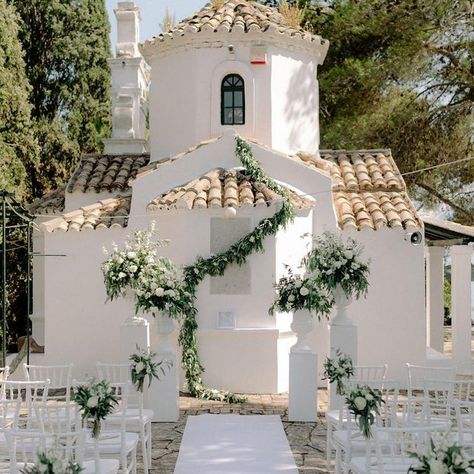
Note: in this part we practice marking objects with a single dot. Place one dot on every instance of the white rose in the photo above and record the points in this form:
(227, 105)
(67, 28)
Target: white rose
(291, 298)
(437, 467)
(58, 467)
(131, 254)
(369, 397)
(304, 291)
(159, 292)
(133, 268)
(122, 275)
(348, 254)
(120, 260)
(298, 283)
(360, 403)
(43, 468)
(139, 367)
(92, 402)
(170, 293)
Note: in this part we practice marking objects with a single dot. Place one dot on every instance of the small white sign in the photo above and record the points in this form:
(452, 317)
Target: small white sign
(226, 320)
(258, 55)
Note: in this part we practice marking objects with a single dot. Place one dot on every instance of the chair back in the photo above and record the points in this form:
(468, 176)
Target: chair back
(363, 373)
(9, 414)
(388, 451)
(4, 373)
(25, 446)
(438, 399)
(114, 373)
(465, 423)
(59, 376)
(418, 374)
(32, 396)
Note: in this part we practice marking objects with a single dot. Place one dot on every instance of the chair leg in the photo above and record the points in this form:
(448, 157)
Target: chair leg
(328, 447)
(337, 469)
(148, 443)
(143, 445)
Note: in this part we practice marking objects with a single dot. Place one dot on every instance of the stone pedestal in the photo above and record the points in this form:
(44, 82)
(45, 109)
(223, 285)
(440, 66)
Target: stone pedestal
(303, 384)
(133, 332)
(343, 337)
(461, 306)
(164, 393)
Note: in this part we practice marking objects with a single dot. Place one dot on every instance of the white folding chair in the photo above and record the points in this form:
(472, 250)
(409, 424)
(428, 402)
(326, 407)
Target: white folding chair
(138, 418)
(32, 397)
(59, 376)
(388, 451)
(348, 440)
(114, 442)
(372, 375)
(417, 374)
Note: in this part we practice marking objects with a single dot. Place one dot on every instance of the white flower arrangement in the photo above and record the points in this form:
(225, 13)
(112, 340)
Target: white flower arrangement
(442, 457)
(96, 400)
(50, 462)
(338, 369)
(143, 366)
(364, 402)
(295, 293)
(155, 280)
(333, 261)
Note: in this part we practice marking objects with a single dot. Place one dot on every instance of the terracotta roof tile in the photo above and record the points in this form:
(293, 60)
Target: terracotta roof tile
(51, 203)
(221, 188)
(106, 173)
(103, 214)
(238, 16)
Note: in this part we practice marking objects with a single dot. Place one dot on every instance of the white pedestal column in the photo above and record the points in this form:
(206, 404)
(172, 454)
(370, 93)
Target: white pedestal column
(461, 305)
(133, 333)
(343, 337)
(435, 297)
(164, 393)
(303, 384)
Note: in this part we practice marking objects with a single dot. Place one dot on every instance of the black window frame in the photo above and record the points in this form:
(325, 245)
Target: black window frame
(228, 85)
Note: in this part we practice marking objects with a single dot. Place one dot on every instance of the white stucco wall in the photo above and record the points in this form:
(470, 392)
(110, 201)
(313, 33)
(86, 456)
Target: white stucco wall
(82, 328)
(281, 97)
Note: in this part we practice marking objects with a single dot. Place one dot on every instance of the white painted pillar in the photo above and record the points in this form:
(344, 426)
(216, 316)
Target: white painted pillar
(343, 336)
(164, 393)
(133, 333)
(303, 384)
(435, 297)
(461, 305)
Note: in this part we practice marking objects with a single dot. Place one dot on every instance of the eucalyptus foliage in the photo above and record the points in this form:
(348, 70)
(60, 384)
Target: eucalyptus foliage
(143, 365)
(216, 265)
(333, 261)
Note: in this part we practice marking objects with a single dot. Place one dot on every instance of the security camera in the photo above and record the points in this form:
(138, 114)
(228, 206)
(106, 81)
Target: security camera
(415, 238)
(231, 48)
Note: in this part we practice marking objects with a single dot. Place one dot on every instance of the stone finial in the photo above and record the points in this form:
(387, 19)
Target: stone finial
(128, 29)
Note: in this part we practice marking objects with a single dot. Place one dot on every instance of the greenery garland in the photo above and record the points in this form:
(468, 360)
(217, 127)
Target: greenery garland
(216, 265)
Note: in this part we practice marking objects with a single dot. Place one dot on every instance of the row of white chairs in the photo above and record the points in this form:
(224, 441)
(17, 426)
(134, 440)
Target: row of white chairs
(434, 403)
(42, 406)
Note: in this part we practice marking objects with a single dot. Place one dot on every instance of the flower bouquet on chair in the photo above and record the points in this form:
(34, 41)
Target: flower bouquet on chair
(96, 400)
(441, 457)
(337, 370)
(49, 463)
(143, 365)
(364, 402)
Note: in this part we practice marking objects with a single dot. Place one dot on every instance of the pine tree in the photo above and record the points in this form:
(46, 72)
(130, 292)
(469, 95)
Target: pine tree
(17, 144)
(400, 74)
(66, 47)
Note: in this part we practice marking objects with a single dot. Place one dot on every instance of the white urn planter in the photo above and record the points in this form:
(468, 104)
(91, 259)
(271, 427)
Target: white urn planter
(134, 319)
(343, 337)
(303, 383)
(164, 393)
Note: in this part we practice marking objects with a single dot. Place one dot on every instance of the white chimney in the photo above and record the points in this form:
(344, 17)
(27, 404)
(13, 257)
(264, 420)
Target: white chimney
(130, 80)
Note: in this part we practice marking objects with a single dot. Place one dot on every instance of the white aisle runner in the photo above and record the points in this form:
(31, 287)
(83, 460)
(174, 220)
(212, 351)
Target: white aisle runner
(235, 444)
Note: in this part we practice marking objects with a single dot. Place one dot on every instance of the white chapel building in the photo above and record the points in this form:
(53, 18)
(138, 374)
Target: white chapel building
(239, 70)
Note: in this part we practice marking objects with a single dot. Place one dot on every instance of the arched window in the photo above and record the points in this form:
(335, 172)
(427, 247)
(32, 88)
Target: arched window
(233, 100)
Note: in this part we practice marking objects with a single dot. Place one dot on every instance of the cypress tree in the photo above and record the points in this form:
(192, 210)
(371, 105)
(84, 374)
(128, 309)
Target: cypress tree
(66, 45)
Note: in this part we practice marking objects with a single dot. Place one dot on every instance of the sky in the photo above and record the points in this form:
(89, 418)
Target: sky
(153, 12)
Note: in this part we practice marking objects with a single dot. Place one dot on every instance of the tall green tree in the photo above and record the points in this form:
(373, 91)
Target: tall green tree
(18, 148)
(66, 44)
(400, 74)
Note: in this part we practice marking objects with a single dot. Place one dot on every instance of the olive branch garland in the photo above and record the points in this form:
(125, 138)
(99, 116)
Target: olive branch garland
(216, 265)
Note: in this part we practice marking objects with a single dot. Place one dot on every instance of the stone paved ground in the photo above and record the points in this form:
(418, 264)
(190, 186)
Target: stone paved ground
(307, 440)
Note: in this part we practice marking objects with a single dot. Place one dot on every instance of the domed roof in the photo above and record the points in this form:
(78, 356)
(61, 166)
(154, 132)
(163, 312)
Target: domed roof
(235, 16)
